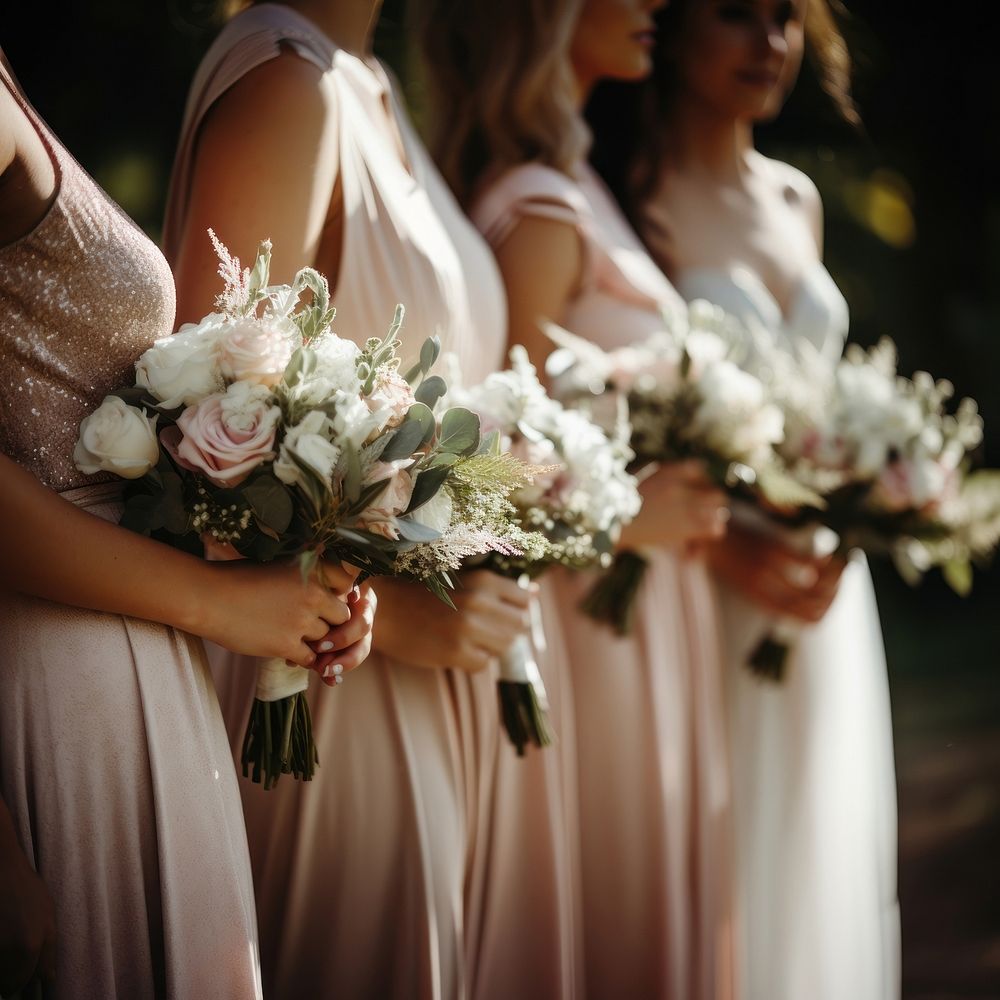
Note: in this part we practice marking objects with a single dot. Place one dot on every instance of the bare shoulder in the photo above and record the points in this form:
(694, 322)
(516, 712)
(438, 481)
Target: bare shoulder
(286, 93)
(799, 191)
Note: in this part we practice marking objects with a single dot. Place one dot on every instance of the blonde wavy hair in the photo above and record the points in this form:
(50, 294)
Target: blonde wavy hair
(501, 86)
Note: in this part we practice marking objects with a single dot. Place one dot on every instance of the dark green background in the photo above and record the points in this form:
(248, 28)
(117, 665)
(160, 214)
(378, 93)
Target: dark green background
(913, 238)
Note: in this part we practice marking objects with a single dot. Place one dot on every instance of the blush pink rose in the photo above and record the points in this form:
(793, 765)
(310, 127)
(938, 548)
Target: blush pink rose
(391, 399)
(380, 517)
(225, 436)
(258, 351)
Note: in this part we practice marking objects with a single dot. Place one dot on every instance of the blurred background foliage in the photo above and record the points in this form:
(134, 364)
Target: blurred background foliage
(913, 239)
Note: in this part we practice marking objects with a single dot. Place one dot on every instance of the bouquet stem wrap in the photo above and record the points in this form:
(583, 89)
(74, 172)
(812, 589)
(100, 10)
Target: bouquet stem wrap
(612, 599)
(278, 738)
(524, 704)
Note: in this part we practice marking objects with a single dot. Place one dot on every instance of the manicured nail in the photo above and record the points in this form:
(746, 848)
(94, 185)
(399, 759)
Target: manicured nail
(338, 680)
(327, 670)
(326, 646)
(338, 669)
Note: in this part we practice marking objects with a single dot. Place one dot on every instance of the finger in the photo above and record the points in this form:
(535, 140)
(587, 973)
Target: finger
(345, 635)
(300, 654)
(472, 659)
(333, 609)
(339, 577)
(498, 615)
(344, 661)
(315, 632)
(511, 591)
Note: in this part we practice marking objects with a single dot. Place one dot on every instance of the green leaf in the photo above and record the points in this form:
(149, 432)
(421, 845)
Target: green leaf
(352, 476)
(490, 445)
(459, 431)
(958, 575)
(425, 416)
(142, 514)
(429, 481)
(784, 491)
(430, 350)
(271, 502)
(414, 531)
(261, 271)
(431, 390)
(405, 441)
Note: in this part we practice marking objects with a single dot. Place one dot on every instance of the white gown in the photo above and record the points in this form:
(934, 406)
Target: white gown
(813, 774)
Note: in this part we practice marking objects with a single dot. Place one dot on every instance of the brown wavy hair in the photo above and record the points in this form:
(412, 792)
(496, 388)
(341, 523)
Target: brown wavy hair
(500, 86)
(630, 122)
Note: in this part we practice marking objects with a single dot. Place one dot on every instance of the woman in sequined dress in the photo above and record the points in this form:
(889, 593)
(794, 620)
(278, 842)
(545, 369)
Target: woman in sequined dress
(123, 860)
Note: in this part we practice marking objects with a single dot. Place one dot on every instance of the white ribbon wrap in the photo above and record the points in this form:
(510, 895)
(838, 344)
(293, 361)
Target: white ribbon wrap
(277, 679)
(518, 663)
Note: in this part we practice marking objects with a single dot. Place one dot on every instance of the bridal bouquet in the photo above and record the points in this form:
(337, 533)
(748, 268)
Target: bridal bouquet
(892, 461)
(259, 429)
(580, 498)
(687, 394)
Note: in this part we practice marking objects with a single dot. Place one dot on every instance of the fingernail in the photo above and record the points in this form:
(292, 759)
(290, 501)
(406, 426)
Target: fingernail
(338, 679)
(355, 594)
(327, 670)
(326, 646)
(338, 668)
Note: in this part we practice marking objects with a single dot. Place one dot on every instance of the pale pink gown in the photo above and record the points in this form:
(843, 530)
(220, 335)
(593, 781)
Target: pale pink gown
(114, 761)
(425, 859)
(654, 793)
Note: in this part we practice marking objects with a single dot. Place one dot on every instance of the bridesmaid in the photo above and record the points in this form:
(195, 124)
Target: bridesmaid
(386, 877)
(511, 80)
(812, 759)
(117, 790)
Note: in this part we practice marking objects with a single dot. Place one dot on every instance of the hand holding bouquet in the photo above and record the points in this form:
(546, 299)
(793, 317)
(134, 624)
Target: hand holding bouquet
(259, 429)
(574, 510)
(686, 395)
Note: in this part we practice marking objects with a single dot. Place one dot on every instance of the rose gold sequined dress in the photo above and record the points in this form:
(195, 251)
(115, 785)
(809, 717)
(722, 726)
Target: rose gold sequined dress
(113, 756)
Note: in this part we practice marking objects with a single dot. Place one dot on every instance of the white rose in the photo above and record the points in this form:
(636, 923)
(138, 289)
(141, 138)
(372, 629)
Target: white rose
(181, 370)
(734, 416)
(353, 422)
(307, 443)
(117, 438)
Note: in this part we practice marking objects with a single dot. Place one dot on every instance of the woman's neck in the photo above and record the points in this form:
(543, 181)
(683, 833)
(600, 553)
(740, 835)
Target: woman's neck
(348, 23)
(714, 146)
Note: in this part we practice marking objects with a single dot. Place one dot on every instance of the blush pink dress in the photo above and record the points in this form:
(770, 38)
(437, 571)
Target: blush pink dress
(114, 760)
(425, 858)
(653, 785)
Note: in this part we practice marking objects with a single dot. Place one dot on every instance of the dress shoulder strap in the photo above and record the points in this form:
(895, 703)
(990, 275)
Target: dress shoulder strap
(530, 189)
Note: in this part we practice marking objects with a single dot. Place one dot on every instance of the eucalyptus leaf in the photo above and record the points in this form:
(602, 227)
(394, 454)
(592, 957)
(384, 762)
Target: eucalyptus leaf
(430, 351)
(405, 441)
(271, 502)
(431, 390)
(459, 431)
